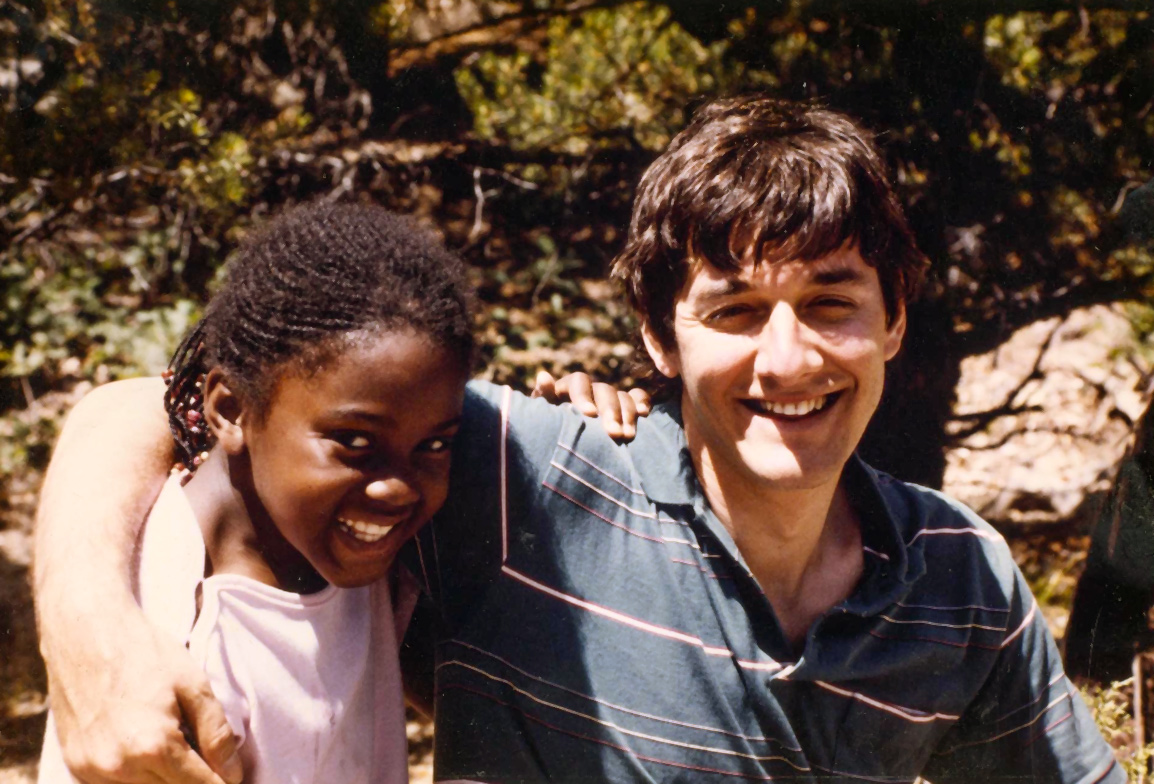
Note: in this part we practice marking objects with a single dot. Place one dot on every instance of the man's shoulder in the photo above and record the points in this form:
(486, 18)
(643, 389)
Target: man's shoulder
(508, 438)
(943, 533)
(533, 429)
(920, 507)
(502, 425)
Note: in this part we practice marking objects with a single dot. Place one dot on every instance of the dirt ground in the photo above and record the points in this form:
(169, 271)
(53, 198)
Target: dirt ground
(22, 681)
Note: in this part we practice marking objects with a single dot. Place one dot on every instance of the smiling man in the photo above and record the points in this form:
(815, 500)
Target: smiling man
(781, 366)
(733, 595)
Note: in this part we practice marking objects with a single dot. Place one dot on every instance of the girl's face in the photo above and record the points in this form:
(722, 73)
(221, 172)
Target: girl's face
(351, 461)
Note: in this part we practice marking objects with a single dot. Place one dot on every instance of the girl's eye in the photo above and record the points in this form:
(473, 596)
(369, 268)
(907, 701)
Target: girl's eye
(353, 440)
(439, 445)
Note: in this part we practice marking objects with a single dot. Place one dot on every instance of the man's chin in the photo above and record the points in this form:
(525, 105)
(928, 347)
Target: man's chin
(791, 472)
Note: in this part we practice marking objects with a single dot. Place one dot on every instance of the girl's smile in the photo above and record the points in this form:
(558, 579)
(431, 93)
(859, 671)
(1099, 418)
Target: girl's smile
(364, 532)
(344, 464)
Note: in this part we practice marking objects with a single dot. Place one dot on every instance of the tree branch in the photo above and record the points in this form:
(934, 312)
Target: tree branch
(887, 12)
(459, 43)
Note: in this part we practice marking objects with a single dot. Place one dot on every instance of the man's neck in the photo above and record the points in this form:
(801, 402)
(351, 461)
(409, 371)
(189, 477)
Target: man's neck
(803, 546)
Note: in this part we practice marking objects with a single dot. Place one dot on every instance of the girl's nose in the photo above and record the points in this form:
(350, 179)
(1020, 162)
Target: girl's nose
(392, 490)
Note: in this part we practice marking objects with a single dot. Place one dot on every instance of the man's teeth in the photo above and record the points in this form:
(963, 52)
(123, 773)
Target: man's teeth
(798, 409)
(366, 532)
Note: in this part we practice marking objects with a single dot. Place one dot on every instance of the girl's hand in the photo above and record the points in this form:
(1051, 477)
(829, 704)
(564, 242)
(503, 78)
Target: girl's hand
(617, 410)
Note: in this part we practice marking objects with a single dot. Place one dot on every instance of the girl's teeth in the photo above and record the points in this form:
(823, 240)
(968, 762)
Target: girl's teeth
(365, 532)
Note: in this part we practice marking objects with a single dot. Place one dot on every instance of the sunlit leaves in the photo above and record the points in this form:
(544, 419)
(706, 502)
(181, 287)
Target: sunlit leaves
(610, 76)
(221, 178)
(1048, 51)
(145, 140)
(140, 140)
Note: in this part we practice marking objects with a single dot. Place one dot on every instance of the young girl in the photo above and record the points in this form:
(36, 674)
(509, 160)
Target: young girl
(315, 406)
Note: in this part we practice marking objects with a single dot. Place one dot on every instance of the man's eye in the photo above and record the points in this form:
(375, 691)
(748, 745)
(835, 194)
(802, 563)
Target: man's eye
(352, 440)
(729, 312)
(832, 303)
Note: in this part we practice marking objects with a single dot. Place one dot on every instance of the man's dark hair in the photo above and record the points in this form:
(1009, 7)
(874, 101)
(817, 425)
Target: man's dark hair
(298, 287)
(772, 177)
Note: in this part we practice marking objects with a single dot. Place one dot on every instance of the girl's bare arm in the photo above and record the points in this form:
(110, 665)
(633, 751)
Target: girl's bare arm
(122, 695)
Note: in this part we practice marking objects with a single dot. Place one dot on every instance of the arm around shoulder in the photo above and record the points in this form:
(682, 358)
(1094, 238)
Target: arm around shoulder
(120, 691)
(109, 463)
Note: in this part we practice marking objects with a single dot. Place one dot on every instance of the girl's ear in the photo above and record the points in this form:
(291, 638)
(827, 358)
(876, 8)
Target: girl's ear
(223, 412)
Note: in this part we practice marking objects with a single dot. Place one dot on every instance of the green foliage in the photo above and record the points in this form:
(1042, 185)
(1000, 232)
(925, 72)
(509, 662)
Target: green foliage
(52, 314)
(26, 442)
(221, 179)
(1141, 317)
(142, 343)
(611, 76)
(1111, 707)
(46, 313)
(141, 140)
(1052, 50)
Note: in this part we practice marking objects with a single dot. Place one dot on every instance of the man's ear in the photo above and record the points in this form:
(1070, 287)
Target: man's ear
(665, 359)
(895, 332)
(223, 412)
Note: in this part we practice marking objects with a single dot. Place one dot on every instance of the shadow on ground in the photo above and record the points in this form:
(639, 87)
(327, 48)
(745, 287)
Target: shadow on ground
(23, 684)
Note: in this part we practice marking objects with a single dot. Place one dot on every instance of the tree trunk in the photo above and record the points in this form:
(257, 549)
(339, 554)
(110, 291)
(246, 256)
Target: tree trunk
(1108, 623)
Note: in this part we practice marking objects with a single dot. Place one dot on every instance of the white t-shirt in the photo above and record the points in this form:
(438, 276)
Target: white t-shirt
(310, 683)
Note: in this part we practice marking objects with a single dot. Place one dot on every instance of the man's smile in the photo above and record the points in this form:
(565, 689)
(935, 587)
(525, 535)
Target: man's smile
(797, 409)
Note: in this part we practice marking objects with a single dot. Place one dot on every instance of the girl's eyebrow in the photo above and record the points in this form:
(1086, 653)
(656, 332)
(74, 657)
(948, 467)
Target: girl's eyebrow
(349, 412)
(449, 423)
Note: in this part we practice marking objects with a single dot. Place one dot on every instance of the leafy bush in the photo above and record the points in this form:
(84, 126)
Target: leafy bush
(1112, 708)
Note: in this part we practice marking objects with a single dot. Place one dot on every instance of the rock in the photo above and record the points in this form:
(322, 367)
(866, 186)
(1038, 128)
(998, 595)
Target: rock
(1041, 422)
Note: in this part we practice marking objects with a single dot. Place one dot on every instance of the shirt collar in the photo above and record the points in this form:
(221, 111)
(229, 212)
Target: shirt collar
(892, 568)
(661, 458)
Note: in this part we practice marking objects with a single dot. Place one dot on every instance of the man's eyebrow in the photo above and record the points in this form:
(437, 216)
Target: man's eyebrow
(725, 288)
(832, 277)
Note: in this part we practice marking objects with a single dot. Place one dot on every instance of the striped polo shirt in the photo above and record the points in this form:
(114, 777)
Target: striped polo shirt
(596, 622)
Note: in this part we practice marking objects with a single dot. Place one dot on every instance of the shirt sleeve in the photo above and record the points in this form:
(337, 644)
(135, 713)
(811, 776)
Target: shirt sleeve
(1028, 723)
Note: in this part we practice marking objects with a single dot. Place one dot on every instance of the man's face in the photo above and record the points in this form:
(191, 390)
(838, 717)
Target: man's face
(782, 365)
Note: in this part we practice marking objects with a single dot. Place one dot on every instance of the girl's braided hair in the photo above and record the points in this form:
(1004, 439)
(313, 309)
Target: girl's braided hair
(301, 283)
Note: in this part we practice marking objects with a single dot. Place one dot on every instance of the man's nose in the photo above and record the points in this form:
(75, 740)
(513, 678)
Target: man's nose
(786, 348)
(394, 489)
